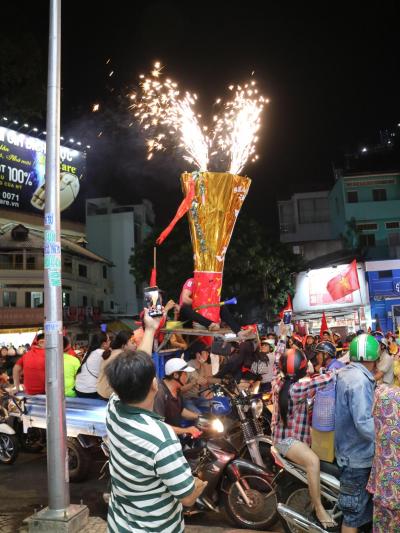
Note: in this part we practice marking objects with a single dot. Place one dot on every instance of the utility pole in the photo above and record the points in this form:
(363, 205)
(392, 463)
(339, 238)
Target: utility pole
(59, 516)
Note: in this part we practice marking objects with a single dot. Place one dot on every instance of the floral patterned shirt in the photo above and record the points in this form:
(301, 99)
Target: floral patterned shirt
(384, 481)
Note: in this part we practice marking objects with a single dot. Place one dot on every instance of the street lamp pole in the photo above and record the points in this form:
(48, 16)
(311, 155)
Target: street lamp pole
(56, 426)
(59, 516)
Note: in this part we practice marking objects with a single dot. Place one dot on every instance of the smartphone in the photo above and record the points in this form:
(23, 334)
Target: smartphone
(287, 317)
(153, 301)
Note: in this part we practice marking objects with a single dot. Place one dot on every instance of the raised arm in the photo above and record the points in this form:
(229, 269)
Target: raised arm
(151, 325)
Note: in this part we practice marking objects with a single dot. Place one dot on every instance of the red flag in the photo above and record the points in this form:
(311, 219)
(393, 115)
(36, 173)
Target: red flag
(324, 324)
(182, 210)
(344, 283)
(288, 307)
(153, 277)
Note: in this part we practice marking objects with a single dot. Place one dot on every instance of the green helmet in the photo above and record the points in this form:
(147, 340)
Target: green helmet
(364, 348)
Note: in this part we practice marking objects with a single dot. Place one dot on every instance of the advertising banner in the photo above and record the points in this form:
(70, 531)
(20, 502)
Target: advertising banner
(312, 294)
(22, 172)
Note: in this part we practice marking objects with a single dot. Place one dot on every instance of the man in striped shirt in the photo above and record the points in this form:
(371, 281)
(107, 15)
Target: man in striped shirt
(150, 478)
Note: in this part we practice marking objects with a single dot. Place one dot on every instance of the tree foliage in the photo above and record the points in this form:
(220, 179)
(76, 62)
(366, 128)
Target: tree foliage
(259, 271)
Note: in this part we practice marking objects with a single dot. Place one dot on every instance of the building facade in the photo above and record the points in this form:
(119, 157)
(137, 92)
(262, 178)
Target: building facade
(85, 279)
(113, 231)
(370, 204)
(384, 293)
(305, 224)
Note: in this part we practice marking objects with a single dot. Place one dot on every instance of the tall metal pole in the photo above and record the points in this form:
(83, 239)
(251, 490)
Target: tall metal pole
(57, 474)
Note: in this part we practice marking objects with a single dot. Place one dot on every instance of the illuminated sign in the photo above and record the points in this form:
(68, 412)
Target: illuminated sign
(311, 292)
(22, 172)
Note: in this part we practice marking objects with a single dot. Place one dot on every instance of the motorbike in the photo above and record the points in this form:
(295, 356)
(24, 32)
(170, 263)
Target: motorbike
(246, 429)
(294, 500)
(8, 440)
(34, 439)
(294, 505)
(243, 488)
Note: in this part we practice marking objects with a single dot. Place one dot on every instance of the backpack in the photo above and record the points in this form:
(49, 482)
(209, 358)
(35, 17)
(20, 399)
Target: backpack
(323, 415)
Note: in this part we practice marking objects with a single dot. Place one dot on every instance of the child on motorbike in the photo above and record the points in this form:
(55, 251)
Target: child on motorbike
(291, 419)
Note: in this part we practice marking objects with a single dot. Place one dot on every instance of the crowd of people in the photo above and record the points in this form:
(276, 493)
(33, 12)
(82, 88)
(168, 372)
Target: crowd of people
(150, 476)
(365, 438)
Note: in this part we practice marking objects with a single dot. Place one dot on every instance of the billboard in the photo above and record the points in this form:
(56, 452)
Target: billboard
(22, 172)
(312, 295)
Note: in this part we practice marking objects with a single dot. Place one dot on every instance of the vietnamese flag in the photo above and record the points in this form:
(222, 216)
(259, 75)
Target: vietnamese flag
(344, 283)
(324, 324)
(287, 309)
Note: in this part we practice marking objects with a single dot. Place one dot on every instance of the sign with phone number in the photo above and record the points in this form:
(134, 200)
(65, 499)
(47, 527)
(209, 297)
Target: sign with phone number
(22, 172)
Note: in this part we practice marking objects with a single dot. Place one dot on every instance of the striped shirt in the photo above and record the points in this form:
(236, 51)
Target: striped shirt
(148, 472)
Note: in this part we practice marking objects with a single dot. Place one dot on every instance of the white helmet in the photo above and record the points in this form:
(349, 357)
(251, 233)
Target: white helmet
(177, 365)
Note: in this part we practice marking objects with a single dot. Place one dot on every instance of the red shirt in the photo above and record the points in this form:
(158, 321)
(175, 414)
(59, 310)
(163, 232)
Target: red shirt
(189, 286)
(34, 366)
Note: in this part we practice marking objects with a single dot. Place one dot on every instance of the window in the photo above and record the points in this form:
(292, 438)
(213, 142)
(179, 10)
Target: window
(368, 226)
(37, 299)
(313, 210)
(34, 299)
(9, 299)
(352, 197)
(297, 249)
(82, 270)
(367, 240)
(10, 261)
(392, 225)
(66, 299)
(104, 272)
(379, 195)
(67, 264)
(6, 262)
(286, 217)
(383, 274)
(394, 238)
(30, 262)
(84, 301)
(18, 262)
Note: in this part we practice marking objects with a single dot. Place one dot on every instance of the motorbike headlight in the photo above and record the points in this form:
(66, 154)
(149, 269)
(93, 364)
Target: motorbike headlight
(257, 407)
(217, 425)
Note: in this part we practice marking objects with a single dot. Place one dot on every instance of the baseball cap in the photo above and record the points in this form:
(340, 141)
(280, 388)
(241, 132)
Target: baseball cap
(384, 342)
(271, 342)
(177, 365)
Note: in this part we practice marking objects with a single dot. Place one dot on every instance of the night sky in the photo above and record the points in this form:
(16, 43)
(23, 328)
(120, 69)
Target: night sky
(331, 74)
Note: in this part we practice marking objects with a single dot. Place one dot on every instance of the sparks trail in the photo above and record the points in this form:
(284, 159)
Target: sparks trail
(168, 118)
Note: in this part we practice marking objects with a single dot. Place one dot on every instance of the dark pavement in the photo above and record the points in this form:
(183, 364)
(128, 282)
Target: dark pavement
(23, 489)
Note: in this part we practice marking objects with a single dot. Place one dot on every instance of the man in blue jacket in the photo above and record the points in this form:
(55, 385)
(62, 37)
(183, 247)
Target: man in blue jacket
(354, 431)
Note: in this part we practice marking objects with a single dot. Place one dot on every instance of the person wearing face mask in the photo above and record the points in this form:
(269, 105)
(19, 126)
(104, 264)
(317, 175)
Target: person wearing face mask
(192, 398)
(168, 402)
(263, 364)
(123, 342)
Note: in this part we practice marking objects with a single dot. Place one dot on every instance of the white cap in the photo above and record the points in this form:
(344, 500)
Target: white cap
(177, 365)
(384, 342)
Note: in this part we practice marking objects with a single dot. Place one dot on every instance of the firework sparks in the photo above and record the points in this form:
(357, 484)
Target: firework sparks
(161, 106)
(168, 117)
(236, 130)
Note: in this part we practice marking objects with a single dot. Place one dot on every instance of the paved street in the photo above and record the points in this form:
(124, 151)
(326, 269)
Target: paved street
(23, 489)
